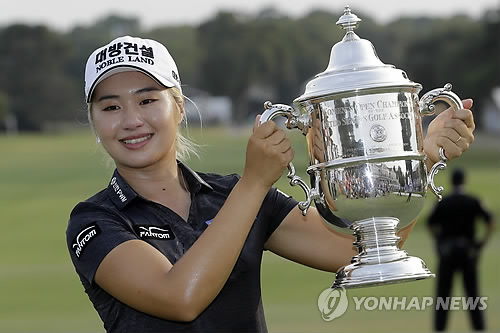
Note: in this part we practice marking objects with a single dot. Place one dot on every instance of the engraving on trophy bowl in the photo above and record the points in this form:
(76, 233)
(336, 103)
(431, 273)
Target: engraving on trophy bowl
(384, 122)
(378, 133)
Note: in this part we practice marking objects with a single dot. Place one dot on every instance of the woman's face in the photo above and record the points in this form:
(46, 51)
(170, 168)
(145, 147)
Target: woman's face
(136, 119)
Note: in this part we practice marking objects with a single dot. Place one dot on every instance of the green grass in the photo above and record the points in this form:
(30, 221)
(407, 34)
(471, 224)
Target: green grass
(42, 177)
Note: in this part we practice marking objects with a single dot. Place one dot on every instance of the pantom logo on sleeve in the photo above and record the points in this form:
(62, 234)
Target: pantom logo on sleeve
(83, 238)
(153, 232)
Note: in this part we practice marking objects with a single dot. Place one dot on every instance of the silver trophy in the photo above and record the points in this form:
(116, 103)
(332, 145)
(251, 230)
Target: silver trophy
(363, 125)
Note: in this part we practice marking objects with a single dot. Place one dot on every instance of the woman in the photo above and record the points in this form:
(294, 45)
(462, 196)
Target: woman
(164, 248)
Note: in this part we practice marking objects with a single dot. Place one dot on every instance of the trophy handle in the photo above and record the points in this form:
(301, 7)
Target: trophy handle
(294, 121)
(427, 107)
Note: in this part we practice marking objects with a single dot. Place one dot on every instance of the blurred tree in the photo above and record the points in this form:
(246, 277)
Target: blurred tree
(458, 50)
(487, 69)
(270, 53)
(3, 108)
(222, 50)
(85, 39)
(393, 40)
(183, 43)
(31, 66)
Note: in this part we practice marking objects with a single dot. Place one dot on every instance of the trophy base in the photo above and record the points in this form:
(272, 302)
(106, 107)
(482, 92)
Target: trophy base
(405, 270)
(379, 261)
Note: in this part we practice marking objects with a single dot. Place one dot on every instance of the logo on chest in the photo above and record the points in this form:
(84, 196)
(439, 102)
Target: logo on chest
(153, 232)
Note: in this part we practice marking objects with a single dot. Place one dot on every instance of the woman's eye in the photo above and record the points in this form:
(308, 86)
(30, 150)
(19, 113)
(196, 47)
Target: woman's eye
(148, 100)
(111, 108)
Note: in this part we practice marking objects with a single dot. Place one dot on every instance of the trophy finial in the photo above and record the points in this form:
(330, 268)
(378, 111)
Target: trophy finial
(348, 21)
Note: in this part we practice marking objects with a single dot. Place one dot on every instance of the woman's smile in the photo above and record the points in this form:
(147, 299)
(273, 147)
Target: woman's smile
(136, 141)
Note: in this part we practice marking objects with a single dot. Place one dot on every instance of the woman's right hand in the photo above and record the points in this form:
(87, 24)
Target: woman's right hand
(268, 153)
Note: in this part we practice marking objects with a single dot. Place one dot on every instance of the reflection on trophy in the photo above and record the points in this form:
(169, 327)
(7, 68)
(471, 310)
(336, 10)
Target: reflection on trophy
(363, 127)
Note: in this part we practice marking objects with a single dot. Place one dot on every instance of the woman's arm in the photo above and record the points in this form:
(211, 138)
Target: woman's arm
(308, 240)
(140, 276)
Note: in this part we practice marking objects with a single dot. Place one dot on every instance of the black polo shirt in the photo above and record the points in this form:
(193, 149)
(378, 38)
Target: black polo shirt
(456, 216)
(118, 214)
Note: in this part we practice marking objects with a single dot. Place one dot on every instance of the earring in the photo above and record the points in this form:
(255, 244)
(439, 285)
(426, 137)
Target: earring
(98, 140)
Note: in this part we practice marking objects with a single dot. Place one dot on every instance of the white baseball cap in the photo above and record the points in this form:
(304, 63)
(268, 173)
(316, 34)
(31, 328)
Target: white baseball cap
(127, 53)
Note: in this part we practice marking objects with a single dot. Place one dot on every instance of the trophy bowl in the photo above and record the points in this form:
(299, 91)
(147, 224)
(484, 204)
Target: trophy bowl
(363, 125)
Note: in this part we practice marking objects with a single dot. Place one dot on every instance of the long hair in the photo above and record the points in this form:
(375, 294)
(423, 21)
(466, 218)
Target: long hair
(185, 148)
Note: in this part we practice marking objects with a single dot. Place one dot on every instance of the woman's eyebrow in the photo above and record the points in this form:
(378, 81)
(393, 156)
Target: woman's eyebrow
(137, 92)
(145, 90)
(102, 98)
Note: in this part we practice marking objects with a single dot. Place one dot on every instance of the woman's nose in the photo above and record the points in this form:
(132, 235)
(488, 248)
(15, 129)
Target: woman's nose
(132, 118)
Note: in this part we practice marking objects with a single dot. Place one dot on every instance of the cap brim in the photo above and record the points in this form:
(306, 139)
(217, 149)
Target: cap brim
(126, 68)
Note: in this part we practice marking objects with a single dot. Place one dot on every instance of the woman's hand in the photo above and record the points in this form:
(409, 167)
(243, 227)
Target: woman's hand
(452, 130)
(268, 153)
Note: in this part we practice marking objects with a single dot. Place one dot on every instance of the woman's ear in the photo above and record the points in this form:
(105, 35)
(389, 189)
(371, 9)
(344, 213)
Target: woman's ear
(181, 114)
(180, 107)
(179, 101)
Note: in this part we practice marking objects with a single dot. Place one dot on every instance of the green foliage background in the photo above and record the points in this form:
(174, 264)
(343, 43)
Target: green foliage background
(42, 177)
(232, 54)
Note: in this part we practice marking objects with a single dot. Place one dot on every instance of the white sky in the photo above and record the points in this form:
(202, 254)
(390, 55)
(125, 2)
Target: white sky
(62, 15)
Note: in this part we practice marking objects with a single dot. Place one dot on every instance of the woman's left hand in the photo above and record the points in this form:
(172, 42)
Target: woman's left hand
(452, 130)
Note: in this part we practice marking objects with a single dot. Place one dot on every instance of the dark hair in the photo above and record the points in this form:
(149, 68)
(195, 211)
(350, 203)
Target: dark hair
(458, 177)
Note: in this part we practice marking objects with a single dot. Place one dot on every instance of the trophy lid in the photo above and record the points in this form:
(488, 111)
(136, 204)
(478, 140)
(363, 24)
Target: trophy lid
(354, 65)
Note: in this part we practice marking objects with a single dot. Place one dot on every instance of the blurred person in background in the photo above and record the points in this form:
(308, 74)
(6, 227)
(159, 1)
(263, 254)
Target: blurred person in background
(165, 248)
(453, 224)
